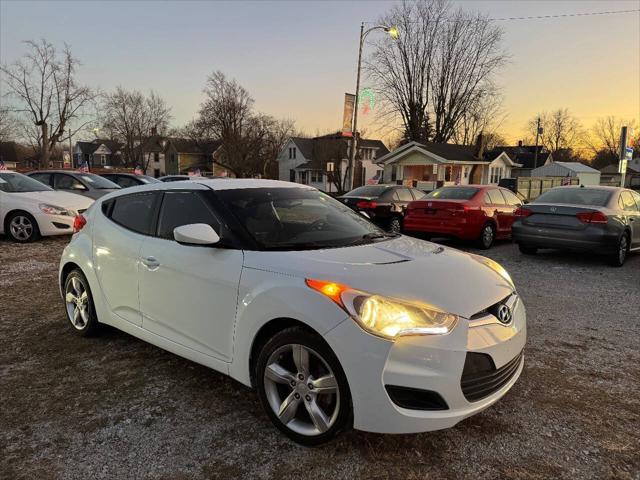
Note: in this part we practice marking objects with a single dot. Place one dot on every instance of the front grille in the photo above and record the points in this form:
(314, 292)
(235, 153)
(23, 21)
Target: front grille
(481, 378)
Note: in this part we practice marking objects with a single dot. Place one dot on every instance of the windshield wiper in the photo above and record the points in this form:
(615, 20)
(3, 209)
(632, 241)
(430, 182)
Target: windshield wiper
(374, 236)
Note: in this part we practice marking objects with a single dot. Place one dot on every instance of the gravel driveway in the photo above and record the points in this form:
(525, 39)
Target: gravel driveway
(115, 407)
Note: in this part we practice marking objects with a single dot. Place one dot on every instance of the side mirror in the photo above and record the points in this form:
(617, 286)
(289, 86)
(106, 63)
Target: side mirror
(196, 234)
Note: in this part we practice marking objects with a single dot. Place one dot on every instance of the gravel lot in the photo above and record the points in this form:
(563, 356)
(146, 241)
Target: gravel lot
(115, 407)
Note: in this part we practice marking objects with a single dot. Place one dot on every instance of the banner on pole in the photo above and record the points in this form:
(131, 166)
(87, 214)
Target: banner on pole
(347, 116)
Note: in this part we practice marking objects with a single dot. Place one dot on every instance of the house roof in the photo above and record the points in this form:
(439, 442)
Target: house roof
(88, 148)
(447, 151)
(577, 167)
(112, 145)
(306, 145)
(522, 154)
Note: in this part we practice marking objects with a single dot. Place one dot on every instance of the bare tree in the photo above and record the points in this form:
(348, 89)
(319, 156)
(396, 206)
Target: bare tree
(8, 125)
(439, 70)
(485, 116)
(561, 130)
(47, 95)
(130, 117)
(604, 140)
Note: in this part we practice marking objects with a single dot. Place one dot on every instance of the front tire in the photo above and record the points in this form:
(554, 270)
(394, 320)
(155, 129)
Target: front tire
(22, 227)
(617, 259)
(79, 304)
(395, 224)
(302, 387)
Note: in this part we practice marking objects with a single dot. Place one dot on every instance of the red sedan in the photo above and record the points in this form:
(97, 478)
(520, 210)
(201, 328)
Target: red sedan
(469, 212)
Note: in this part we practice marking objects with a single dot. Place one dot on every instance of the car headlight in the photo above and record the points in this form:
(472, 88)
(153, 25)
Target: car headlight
(54, 210)
(387, 317)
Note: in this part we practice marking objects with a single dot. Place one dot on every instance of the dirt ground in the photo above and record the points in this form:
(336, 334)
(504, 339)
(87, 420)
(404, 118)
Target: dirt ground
(115, 407)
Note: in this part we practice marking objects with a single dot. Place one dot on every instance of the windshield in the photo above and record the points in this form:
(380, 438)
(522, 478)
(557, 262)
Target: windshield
(575, 196)
(298, 219)
(97, 182)
(367, 191)
(19, 183)
(453, 193)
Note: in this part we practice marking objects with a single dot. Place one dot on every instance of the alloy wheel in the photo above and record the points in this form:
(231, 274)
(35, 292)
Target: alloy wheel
(77, 303)
(487, 236)
(21, 227)
(302, 390)
(622, 249)
(395, 225)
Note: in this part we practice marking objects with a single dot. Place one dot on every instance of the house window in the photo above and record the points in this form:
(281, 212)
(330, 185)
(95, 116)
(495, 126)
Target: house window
(394, 173)
(316, 176)
(303, 177)
(103, 159)
(292, 153)
(156, 157)
(292, 175)
(495, 174)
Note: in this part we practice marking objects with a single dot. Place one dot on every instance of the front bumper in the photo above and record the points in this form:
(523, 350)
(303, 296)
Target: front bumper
(54, 224)
(434, 363)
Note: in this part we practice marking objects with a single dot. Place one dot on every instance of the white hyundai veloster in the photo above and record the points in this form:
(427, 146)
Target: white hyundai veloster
(335, 322)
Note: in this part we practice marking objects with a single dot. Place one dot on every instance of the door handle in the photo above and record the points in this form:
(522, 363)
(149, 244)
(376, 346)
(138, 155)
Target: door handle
(151, 262)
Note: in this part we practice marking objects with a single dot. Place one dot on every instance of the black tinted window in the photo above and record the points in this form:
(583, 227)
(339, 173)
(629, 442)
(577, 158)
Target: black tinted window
(183, 208)
(368, 191)
(575, 196)
(67, 182)
(453, 193)
(495, 197)
(135, 212)
(42, 177)
(125, 182)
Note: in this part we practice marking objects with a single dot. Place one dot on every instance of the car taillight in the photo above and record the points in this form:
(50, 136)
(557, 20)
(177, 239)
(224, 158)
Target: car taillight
(522, 212)
(79, 222)
(366, 205)
(592, 217)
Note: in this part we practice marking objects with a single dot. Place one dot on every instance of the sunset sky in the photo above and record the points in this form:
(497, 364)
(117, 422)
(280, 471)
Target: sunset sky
(298, 58)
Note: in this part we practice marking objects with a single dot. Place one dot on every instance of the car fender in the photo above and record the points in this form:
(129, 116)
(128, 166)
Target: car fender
(264, 296)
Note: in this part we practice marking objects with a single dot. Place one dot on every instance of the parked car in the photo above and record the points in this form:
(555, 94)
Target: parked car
(29, 209)
(87, 184)
(125, 180)
(383, 204)
(469, 212)
(604, 220)
(291, 292)
(175, 178)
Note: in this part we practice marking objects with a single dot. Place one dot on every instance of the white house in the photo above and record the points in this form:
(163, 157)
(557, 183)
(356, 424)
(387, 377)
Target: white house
(585, 174)
(429, 165)
(304, 160)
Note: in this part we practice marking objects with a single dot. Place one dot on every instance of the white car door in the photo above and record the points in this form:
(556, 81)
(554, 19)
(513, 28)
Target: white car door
(188, 294)
(117, 239)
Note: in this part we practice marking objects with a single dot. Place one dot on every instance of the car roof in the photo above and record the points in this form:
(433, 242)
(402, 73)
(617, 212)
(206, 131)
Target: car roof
(591, 187)
(70, 172)
(197, 183)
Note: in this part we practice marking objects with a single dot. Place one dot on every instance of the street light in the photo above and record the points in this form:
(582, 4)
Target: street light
(393, 33)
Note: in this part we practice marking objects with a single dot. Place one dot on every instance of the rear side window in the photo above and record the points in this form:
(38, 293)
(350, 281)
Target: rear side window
(636, 197)
(402, 195)
(42, 177)
(67, 182)
(135, 212)
(124, 182)
(495, 197)
(511, 199)
(628, 203)
(183, 208)
(418, 194)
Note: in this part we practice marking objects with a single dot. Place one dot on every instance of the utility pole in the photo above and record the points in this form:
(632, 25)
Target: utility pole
(535, 154)
(354, 130)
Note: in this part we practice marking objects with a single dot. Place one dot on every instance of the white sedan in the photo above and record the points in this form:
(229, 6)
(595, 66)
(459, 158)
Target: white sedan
(29, 209)
(335, 322)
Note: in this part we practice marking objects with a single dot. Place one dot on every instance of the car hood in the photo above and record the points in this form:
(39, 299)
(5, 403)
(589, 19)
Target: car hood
(404, 268)
(66, 200)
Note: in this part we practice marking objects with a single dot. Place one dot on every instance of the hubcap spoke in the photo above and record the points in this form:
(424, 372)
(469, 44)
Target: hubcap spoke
(318, 417)
(326, 384)
(288, 408)
(71, 298)
(77, 286)
(278, 374)
(76, 317)
(84, 315)
(301, 358)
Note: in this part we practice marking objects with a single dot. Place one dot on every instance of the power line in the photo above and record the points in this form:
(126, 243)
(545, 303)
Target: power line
(564, 15)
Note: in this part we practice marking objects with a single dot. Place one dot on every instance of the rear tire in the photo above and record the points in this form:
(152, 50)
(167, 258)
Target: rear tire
(288, 363)
(487, 236)
(617, 259)
(395, 224)
(527, 250)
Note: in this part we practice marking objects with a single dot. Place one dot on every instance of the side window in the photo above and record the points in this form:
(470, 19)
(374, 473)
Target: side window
(495, 197)
(418, 194)
(628, 202)
(42, 177)
(135, 212)
(67, 182)
(511, 198)
(403, 195)
(183, 208)
(636, 197)
(125, 182)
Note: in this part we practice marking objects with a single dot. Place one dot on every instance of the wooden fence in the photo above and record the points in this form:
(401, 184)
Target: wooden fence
(532, 187)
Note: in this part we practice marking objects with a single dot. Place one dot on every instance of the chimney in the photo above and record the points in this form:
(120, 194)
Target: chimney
(480, 144)
(154, 131)
(519, 143)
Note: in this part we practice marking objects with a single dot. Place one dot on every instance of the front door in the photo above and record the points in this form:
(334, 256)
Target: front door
(188, 294)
